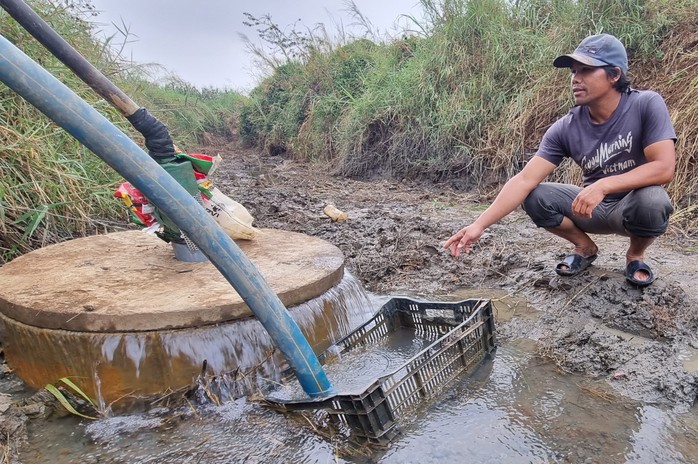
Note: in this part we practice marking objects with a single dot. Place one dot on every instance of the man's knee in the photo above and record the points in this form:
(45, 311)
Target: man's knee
(542, 207)
(647, 213)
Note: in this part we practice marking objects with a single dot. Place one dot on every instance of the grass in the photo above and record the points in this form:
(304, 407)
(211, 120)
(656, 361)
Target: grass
(469, 92)
(65, 384)
(51, 187)
(463, 96)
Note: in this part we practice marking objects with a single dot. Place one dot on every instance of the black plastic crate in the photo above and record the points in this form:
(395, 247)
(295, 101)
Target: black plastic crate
(464, 333)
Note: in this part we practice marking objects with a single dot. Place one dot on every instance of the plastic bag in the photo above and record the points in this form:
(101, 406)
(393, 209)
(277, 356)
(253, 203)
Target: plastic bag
(233, 218)
(140, 209)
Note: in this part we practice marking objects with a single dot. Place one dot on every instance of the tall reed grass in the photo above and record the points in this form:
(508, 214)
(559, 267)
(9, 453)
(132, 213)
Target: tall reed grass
(467, 96)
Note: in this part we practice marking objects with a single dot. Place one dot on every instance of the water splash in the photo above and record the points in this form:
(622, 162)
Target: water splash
(230, 359)
(323, 320)
(121, 370)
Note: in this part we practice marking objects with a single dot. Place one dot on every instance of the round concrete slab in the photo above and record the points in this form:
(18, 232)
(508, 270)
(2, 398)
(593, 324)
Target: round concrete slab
(131, 281)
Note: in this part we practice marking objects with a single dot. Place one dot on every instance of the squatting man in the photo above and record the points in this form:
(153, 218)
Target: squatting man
(622, 139)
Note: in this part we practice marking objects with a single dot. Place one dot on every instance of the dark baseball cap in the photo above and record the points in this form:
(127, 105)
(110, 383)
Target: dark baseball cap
(597, 50)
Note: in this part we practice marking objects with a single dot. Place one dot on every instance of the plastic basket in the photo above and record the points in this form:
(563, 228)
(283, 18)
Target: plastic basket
(464, 333)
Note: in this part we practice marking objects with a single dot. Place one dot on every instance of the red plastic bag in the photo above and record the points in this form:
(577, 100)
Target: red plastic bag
(140, 209)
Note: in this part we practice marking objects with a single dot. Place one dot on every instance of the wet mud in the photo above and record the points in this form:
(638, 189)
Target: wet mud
(643, 340)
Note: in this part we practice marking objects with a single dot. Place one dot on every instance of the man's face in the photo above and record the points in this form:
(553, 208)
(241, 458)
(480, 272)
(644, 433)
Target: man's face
(589, 83)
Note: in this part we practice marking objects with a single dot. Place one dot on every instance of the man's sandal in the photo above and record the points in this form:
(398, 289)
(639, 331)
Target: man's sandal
(573, 264)
(637, 265)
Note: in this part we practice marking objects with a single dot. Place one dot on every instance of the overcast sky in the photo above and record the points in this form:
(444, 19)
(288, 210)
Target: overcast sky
(200, 40)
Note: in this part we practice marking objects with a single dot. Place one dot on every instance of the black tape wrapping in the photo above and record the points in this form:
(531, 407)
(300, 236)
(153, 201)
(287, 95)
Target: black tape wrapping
(157, 137)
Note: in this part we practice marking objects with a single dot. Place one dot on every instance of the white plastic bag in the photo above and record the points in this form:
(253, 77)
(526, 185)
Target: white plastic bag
(233, 218)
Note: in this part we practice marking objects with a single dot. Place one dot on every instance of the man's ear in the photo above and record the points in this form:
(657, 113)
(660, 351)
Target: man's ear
(619, 73)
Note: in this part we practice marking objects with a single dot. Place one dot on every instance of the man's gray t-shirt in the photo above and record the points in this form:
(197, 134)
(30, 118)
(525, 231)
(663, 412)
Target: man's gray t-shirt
(615, 146)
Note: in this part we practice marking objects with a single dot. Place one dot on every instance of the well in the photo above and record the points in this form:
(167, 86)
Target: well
(120, 316)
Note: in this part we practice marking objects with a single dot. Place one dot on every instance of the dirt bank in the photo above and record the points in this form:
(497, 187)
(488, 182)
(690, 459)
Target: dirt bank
(643, 340)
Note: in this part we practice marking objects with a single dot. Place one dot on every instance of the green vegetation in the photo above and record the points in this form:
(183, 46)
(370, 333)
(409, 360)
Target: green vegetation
(51, 187)
(465, 95)
(188, 112)
(74, 390)
(471, 95)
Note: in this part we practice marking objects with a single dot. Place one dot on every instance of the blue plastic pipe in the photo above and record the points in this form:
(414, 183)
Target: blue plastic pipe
(93, 130)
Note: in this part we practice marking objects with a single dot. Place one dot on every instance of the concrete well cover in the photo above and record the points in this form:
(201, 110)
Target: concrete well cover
(131, 281)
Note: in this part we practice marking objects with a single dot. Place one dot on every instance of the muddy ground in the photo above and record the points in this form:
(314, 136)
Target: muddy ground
(644, 341)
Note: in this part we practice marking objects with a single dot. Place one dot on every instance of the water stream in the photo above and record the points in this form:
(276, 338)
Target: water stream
(515, 408)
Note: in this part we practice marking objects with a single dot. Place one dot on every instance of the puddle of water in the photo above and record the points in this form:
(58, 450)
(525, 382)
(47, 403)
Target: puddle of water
(506, 306)
(630, 338)
(516, 408)
(689, 359)
(525, 410)
(352, 372)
